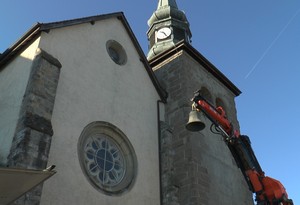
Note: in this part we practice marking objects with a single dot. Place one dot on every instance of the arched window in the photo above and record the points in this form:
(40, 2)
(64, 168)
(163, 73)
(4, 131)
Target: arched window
(220, 103)
(204, 92)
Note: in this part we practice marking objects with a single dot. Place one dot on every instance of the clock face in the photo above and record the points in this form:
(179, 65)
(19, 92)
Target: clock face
(163, 33)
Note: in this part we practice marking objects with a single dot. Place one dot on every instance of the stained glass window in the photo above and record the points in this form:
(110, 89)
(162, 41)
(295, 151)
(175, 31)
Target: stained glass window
(104, 160)
(107, 158)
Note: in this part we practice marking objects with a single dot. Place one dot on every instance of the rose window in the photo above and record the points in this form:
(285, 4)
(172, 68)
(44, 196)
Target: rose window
(107, 158)
(104, 160)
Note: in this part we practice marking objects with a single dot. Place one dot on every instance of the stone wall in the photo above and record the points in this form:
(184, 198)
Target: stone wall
(197, 168)
(32, 139)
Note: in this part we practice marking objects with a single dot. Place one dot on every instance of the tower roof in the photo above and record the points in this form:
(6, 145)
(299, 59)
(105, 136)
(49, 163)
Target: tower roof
(166, 10)
(167, 26)
(197, 56)
(164, 3)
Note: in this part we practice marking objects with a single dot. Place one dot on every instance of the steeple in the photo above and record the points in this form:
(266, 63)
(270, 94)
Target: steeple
(167, 26)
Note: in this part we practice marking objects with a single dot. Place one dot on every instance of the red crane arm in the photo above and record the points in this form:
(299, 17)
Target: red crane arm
(217, 114)
(268, 191)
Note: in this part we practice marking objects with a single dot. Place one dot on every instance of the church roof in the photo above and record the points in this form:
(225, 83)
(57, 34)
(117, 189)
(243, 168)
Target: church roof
(182, 45)
(36, 30)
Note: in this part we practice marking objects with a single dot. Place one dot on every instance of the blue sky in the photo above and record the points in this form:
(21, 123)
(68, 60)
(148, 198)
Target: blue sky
(256, 44)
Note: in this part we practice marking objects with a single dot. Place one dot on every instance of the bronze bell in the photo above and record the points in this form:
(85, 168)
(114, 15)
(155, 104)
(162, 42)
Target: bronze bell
(194, 124)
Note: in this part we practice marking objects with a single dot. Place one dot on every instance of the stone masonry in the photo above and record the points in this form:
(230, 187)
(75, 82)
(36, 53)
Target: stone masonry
(191, 163)
(32, 139)
(184, 180)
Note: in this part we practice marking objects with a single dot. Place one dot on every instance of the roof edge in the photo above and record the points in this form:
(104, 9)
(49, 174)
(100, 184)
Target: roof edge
(19, 44)
(39, 27)
(77, 21)
(183, 45)
(162, 93)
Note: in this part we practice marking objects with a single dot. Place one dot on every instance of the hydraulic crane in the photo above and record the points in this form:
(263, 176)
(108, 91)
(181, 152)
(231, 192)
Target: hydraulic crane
(268, 191)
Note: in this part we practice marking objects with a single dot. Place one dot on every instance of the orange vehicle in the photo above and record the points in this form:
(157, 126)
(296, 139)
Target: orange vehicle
(268, 191)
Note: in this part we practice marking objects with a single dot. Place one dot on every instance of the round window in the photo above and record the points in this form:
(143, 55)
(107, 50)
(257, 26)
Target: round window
(116, 52)
(107, 158)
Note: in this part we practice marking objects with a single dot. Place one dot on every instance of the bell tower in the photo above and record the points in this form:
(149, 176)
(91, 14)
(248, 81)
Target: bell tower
(167, 26)
(196, 168)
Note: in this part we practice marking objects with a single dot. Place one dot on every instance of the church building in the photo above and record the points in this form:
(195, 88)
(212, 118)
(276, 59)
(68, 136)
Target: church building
(80, 94)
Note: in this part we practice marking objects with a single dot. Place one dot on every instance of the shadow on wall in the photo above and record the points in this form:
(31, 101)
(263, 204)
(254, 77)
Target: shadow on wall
(13, 82)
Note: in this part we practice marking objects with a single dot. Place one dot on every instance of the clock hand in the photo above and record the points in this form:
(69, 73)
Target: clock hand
(164, 33)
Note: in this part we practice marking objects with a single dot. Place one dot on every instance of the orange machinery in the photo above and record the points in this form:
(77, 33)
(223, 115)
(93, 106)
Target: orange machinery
(268, 191)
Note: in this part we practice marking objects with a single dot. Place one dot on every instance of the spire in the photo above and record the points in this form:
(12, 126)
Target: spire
(167, 3)
(167, 26)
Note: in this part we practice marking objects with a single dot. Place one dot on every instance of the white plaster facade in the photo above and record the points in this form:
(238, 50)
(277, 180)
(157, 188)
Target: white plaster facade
(91, 87)
(13, 82)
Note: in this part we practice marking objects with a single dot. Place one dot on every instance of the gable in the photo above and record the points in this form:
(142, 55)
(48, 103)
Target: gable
(82, 50)
(94, 88)
(40, 29)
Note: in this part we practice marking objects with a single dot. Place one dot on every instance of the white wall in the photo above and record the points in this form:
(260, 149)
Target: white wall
(93, 88)
(13, 81)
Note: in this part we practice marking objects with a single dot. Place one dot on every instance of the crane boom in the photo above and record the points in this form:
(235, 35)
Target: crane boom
(268, 191)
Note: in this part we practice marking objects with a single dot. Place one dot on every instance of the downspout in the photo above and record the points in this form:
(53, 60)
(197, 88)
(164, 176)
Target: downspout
(159, 151)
